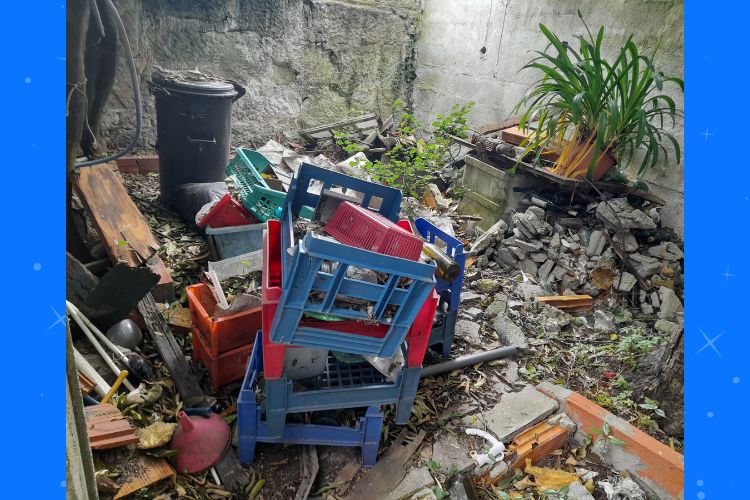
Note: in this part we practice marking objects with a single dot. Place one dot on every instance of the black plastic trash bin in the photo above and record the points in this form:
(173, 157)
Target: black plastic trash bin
(193, 126)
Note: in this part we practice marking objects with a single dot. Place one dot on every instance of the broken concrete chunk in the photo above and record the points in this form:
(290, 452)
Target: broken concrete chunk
(488, 238)
(487, 285)
(647, 308)
(530, 290)
(670, 308)
(528, 266)
(545, 270)
(577, 491)
(539, 257)
(667, 327)
(469, 296)
(449, 453)
(498, 306)
(509, 333)
(604, 320)
(472, 313)
(655, 299)
(416, 479)
(554, 242)
(645, 266)
(468, 331)
(519, 253)
(666, 250)
(517, 411)
(618, 214)
(505, 257)
(626, 241)
(526, 246)
(597, 241)
(625, 282)
(440, 200)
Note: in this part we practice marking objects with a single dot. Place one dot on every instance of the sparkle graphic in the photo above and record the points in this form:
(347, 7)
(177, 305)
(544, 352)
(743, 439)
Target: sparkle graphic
(710, 343)
(710, 414)
(37, 266)
(60, 319)
(27, 79)
(706, 134)
(727, 275)
(701, 495)
(736, 380)
(700, 482)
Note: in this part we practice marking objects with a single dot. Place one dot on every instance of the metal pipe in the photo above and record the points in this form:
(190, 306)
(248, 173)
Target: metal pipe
(76, 313)
(83, 366)
(92, 338)
(471, 359)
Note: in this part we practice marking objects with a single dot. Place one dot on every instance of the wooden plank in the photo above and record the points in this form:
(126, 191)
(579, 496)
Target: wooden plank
(182, 375)
(495, 127)
(323, 131)
(233, 476)
(125, 233)
(390, 470)
(148, 470)
(569, 303)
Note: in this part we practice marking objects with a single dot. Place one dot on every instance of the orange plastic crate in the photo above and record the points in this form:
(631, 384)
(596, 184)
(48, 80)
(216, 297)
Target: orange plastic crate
(224, 368)
(223, 334)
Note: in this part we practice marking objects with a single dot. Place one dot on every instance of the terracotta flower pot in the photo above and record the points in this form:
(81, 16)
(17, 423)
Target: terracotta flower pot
(603, 164)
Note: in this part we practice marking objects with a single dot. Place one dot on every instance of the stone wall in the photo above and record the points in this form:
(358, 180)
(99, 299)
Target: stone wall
(302, 62)
(472, 50)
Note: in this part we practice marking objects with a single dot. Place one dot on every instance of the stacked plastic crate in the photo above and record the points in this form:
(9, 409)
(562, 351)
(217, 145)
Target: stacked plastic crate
(308, 282)
(449, 291)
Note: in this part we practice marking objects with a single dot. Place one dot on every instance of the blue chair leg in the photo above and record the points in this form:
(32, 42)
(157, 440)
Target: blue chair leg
(449, 328)
(276, 405)
(248, 416)
(408, 393)
(373, 423)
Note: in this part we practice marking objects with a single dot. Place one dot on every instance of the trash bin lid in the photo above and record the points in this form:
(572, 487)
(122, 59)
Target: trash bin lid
(191, 82)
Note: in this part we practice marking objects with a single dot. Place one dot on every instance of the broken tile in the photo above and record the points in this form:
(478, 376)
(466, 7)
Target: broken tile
(509, 333)
(416, 479)
(450, 454)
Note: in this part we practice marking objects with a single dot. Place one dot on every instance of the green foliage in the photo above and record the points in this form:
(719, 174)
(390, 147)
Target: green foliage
(613, 106)
(653, 406)
(413, 161)
(433, 465)
(345, 142)
(634, 344)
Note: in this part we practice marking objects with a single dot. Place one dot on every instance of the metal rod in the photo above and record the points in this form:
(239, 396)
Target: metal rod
(115, 350)
(471, 359)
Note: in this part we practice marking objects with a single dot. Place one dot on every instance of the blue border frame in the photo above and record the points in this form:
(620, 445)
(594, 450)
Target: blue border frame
(716, 214)
(32, 371)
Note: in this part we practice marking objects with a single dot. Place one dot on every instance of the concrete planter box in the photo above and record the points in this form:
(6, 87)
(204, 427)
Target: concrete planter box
(487, 191)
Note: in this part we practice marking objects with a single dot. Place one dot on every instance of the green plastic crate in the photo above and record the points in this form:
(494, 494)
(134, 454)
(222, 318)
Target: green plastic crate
(263, 202)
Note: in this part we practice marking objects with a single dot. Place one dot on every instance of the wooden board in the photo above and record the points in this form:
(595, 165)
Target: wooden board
(495, 127)
(390, 470)
(124, 231)
(182, 375)
(570, 303)
(151, 471)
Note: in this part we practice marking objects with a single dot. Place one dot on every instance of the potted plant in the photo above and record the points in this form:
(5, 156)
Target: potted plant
(594, 112)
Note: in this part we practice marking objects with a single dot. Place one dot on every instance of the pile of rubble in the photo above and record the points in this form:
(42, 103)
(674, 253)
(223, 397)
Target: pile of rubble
(614, 246)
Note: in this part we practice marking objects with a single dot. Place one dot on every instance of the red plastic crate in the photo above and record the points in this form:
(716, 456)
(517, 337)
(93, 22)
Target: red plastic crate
(226, 213)
(224, 368)
(273, 354)
(223, 334)
(362, 228)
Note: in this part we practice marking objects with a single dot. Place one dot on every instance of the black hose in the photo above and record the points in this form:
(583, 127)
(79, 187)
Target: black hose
(136, 95)
(471, 359)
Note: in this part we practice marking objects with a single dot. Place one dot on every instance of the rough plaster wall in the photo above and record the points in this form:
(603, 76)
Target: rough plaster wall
(451, 68)
(303, 62)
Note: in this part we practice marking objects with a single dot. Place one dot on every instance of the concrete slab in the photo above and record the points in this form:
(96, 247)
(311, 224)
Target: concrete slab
(416, 479)
(518, 411)
(450, 454)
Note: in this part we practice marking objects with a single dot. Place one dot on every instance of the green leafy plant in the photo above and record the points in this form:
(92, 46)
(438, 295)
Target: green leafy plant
(346, 143)
(604, 433)
(634, 344)
(587, 105)
(411, 164)
(652, 406)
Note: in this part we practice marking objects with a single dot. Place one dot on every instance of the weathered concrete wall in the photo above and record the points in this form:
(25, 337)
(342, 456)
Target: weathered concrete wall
(472, 50)
(303, 62)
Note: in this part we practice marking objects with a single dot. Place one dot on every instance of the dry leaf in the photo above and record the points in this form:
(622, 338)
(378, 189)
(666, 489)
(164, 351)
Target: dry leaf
(524, 483)
(549, 479)
(590, 485)
(571, 461)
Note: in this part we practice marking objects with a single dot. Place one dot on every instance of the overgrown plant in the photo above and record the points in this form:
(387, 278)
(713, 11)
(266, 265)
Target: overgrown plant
(411, 164)
(585, 104)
